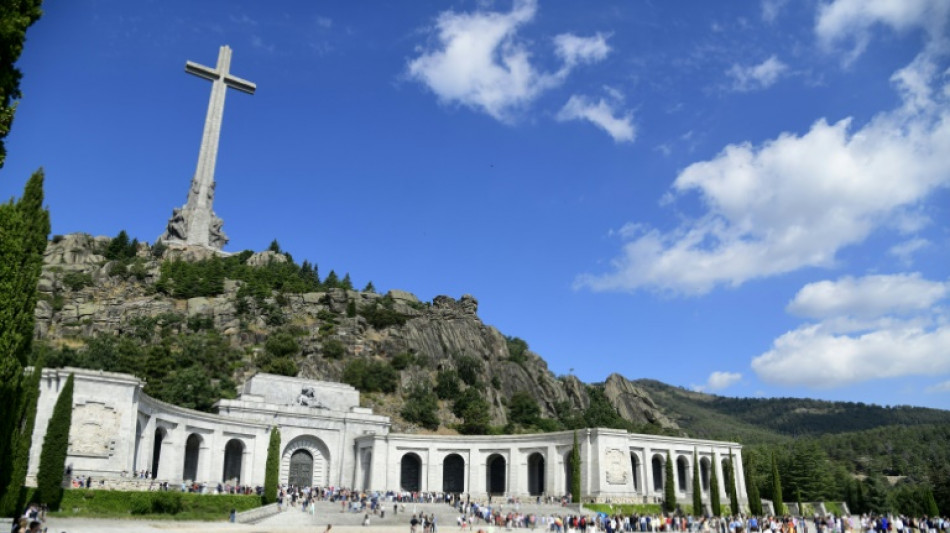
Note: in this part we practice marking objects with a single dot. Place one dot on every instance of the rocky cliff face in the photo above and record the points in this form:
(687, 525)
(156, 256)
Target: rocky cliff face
(81, 296)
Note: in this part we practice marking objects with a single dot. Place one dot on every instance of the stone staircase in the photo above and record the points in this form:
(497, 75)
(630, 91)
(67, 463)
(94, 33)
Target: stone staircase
(445, 515)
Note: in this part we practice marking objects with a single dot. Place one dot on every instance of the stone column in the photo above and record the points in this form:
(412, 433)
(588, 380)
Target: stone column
(516, 468)
(647, 472)
(550, 471)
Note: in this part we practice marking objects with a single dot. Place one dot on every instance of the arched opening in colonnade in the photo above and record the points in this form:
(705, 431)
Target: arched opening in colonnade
(536, 474)
(704, 473)
(192, 452)
(658, 473)
(453, 473)
(233, 461)
(635, 467)
(496, 469)
(410, 472)
(300, 473)
(682, 472)
(160, 435)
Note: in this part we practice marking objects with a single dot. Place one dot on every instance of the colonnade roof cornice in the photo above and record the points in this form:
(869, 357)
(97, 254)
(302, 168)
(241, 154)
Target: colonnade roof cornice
(308, 413)
(191, 414)
(565, 437)
(99, 375)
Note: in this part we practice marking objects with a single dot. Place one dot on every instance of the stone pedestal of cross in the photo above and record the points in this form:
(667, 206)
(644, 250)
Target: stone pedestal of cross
(195, 223)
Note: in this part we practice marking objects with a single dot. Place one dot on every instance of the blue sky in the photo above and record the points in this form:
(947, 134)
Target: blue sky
(750, 198)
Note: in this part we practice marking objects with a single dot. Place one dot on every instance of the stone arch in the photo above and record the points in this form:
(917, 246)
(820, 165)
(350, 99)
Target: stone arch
(704, 466)
(160, 435)
(682, 472)
(635, 468)
(496, 469)
(536, 474)
(233, 461)
(410, 472)
(317, 450)
(657, 464)
(192, 454)
(453, 474)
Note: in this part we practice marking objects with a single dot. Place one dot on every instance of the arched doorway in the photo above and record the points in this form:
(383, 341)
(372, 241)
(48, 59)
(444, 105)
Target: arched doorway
(160, 434)
(301, 469)
(682, 473)
(657, 464)
(319, 454)
(536, 474)
(233, 461)
(453, 474)
(495, 471)
(410, 473)
(635, 467)
(704, 473)
(192, 450)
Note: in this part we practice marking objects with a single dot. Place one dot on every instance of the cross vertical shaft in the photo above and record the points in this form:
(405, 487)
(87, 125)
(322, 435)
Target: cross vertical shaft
(195, 223)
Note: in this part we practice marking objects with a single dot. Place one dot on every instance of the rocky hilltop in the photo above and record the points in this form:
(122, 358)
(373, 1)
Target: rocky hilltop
(85, 295)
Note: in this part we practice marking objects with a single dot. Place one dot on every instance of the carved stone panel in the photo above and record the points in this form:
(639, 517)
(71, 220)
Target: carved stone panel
(94, 429)
(617, 468)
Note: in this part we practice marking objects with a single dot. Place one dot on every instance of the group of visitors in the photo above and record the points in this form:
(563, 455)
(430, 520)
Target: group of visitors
(31, 521)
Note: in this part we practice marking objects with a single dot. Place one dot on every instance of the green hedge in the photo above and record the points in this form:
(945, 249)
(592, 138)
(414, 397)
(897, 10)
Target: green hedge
(625, 508)
(172, 505)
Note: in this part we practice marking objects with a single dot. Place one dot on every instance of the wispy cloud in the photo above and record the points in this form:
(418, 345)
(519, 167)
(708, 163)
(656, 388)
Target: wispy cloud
(719, 380)
(755, 77)
(602, 114)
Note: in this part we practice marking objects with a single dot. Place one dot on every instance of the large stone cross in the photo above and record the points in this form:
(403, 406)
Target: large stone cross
(195, 223)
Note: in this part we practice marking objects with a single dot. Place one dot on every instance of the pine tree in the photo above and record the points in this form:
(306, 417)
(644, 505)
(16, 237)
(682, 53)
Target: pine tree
(272, 468)
(931, 503)
(49, 477)
(777, 488)
(24, 227)
(332, 281)
(347, 283)
(755, 500)
(669, 489)
(714, 500)
(731, 485)
(369, 288)
(697, 488)
(575, 471)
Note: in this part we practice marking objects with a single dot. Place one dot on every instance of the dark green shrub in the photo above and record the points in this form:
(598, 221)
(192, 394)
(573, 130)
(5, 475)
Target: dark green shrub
(469, 369)
(403, 360)
(447, 384)
(371, 376)
(517, 350)
(334, 349)
(422, 406)
(75, 281)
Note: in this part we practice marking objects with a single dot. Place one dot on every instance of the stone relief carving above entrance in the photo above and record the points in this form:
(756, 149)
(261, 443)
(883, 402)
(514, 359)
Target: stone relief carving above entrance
(93, 430)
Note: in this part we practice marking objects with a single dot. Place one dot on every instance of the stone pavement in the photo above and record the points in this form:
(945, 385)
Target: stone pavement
(292, 520)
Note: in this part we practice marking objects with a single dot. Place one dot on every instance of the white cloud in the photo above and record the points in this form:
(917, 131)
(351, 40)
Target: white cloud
(760, 76)
(574, 50)
(843, 20)
(771, 9)
(867, 297)
(719, 380)
(602, 114)
(479, 61)
(906, 250)
(938, 388)
(874, 327)
(792, 202)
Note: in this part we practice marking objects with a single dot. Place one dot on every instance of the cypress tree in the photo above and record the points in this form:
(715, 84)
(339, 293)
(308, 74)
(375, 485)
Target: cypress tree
(731, 485)
(24, 227)
(714, 501)
(272, 468)
(777, 488)
(17, 17)
(697, 488)
(669, 490)
(755, 500)
(575, 471)
(11, 503)
(49, 477)
(931, 503)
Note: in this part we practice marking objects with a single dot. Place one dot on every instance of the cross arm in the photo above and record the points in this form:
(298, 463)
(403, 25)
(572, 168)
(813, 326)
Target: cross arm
(201, 71)
(242, 85)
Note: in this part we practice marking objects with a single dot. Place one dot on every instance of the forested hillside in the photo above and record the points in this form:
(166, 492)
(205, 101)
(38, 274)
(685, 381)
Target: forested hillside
(875, 458)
